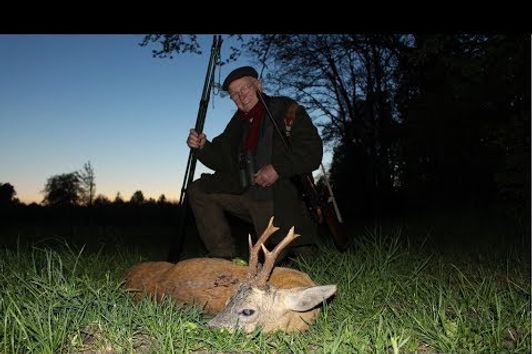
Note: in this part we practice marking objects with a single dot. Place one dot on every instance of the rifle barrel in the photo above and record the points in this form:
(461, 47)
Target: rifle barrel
(176, 248)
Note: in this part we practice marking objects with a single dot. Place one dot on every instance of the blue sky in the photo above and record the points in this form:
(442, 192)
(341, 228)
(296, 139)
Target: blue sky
(69, 99)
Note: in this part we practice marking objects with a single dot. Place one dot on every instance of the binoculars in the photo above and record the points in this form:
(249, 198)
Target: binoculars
(247, 169)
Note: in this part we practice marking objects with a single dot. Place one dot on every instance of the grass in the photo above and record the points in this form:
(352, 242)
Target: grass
(394, 296)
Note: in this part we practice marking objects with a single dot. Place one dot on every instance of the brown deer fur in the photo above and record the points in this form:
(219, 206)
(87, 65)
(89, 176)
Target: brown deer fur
(206, 282)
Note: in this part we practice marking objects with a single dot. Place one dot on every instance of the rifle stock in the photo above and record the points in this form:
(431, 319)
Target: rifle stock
(321, 206)
(336, 227)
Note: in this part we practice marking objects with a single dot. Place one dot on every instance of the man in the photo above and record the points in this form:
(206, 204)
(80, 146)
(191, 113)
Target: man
(254, 170)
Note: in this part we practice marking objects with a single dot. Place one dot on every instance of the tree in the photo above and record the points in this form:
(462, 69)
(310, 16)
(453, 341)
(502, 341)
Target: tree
(7, 194)
(162, 199)
(137, 198)
(170, 44)
(466, 104)
(63, 190)
(118, 199)
(88, 186)
(101, 200)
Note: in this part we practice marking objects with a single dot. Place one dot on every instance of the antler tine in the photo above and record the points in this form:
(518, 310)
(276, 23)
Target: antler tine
(254, 249)
(271, 257)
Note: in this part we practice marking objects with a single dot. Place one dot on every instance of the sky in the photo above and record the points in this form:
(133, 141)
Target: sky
(69, 99)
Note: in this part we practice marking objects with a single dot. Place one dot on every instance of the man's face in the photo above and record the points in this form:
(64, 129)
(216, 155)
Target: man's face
(243, 92)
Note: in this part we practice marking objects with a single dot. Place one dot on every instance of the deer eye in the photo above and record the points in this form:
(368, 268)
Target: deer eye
(247, 312)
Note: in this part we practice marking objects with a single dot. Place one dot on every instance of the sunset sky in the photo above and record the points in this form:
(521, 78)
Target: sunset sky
(69, 99)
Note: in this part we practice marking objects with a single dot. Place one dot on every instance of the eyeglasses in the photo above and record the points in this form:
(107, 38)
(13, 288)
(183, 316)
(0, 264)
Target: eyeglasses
(242, 91)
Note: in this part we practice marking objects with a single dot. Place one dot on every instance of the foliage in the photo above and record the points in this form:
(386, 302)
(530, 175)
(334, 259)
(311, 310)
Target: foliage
(101, 200)
(162, 199)
(71, 189)
(468, 119)
(137, 198)
(167, 45)
(87, 182)
(63, 190)
(7, 194)
(171, 43)
(118, 198)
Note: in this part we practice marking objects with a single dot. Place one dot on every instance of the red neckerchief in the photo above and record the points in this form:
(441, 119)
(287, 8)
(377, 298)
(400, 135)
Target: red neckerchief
(254, 117)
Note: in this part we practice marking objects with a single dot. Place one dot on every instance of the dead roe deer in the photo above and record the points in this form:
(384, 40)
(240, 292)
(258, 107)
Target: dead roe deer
(241, 297)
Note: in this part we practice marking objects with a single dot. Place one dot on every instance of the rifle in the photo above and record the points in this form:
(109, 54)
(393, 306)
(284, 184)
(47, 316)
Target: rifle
(177, 247)
(321, 205)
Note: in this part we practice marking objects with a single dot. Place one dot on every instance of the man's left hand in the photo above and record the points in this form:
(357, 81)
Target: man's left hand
(266, 176)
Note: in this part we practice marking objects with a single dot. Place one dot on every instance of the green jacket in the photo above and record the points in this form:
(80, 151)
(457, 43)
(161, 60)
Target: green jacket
(304, 156)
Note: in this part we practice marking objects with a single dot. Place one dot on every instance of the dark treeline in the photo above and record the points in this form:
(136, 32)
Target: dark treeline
(116, 224)
(68, 200)
(125, 213)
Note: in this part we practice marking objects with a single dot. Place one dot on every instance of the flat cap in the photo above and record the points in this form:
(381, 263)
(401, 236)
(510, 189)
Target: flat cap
(237, 74)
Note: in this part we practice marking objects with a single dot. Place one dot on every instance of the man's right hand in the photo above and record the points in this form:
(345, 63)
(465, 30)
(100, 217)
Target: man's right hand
(195, 140)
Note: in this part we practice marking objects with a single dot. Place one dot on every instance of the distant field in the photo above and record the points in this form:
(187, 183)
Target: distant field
(430, 286)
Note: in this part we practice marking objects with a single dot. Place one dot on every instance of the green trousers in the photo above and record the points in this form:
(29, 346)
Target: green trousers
(214, 231)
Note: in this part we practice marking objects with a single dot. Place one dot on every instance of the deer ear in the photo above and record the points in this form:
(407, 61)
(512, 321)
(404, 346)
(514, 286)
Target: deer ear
(305, 299)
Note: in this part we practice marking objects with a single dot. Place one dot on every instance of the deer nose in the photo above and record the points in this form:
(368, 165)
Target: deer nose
(211, 324)
(222, 321)
(214, 324)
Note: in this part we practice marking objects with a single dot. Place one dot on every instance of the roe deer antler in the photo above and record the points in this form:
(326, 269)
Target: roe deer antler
(254, 249)
(259, 278)
(270, 258)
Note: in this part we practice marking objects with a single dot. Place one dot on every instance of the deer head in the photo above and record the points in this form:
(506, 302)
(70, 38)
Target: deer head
(256, 304)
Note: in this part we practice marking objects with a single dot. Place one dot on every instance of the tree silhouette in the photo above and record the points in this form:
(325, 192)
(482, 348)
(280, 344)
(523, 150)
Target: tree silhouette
(466, 108)
(87, 183)
(170, 44)
(7, 194)
(63, 190)
(162, 199)
(137, 198)
(118, 199)
(101, 200)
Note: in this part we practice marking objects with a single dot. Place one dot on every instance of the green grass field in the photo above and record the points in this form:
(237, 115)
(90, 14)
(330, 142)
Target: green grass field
(395, 295)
